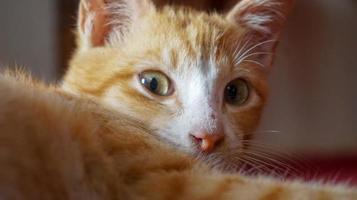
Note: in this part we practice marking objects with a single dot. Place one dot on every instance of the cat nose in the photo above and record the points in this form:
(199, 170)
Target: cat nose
(207, 141)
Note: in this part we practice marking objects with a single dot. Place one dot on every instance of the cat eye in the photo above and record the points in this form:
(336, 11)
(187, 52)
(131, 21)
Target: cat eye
(236, 92)
(156, 82)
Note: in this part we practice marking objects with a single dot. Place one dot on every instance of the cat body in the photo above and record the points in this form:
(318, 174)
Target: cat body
(58, 146)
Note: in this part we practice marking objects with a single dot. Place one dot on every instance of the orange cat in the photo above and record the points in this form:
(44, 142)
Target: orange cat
(57, 146)
(198, 79)
(142, 80)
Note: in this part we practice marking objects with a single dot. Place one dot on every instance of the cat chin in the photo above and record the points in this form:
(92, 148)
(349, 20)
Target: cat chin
(221, 164)
(220, 161)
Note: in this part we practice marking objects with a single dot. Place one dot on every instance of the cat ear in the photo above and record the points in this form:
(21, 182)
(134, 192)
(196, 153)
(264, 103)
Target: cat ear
(100, 21)
(263, 20)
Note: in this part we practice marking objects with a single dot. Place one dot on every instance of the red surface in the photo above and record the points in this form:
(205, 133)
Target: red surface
(338, 169)
(331, 169)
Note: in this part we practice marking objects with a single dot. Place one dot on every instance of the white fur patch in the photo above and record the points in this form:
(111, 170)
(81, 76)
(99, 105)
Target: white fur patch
(196, 91)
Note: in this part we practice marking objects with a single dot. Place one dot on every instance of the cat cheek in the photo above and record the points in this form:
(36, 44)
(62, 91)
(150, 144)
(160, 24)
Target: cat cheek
(232, 132)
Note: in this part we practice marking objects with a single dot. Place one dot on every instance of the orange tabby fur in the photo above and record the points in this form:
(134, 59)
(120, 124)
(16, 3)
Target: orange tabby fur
(57, 146)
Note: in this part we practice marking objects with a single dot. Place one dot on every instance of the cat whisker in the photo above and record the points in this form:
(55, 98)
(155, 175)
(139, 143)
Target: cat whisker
(253, 169)
(255, 62)
(293, 165)
(250, 162)
(293, 158)
(258, 160)
(240, 57)
(241, 49)
(256, 166)
(267, 131)
(266, 156)
(256, 53)
(266, 147)
(273, 161)
(242, 163)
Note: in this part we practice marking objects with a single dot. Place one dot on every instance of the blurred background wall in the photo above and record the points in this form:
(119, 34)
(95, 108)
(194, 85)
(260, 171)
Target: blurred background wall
(314, 84)
(313, 101)
(28, 36)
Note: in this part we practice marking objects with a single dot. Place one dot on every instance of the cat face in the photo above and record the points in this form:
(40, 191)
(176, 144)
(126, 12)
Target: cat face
(198, 80)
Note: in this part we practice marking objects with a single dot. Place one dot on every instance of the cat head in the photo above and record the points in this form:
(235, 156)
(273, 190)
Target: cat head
(197, 79)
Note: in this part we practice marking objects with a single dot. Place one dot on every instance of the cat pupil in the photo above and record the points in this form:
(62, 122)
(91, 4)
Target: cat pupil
(154, 84)
(232, 92)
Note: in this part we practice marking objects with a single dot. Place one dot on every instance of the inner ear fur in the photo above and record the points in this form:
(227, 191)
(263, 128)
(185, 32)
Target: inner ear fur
(99, 20)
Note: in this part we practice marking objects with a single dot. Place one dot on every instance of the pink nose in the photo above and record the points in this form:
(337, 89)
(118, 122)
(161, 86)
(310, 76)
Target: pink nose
(207, 141)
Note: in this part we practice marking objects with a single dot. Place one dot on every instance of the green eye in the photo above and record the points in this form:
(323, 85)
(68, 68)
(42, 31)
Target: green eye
(236, 92)
(156, 82)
